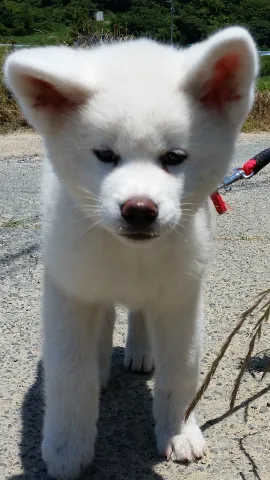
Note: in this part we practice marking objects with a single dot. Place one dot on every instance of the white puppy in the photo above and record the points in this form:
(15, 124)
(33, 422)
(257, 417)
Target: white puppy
(137, 135)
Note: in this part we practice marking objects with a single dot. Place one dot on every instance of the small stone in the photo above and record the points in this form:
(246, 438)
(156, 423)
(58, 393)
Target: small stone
(263, 409)
(200, 467)
(214, 450)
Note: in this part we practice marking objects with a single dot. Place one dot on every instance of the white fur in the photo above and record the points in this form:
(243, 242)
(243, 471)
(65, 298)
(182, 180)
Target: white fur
(140, 99)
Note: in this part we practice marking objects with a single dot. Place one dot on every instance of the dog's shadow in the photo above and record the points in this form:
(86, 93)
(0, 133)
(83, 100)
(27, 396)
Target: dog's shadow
(125, 446)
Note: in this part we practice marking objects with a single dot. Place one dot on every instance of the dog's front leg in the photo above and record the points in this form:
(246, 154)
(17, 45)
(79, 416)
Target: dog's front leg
(138, 354)
(71, 382)
(176, 337)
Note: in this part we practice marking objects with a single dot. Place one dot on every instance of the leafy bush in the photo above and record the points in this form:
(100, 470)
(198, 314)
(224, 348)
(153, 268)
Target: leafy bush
(265, 66)
(193, 19)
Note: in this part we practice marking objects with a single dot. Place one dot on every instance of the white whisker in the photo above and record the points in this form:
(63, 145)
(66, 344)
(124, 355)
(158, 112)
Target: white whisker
(88, 217)
(90, 228)
(86, 207)
(92, 208)
(91, 195)
(98, 200)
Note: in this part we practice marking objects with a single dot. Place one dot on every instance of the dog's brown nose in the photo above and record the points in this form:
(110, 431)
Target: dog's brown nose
(139, 212)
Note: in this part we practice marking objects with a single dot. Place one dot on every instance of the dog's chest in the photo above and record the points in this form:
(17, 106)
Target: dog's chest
(102, 269)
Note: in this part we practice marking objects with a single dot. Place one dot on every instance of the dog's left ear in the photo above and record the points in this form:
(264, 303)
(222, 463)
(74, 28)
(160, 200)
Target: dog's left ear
(221, 72)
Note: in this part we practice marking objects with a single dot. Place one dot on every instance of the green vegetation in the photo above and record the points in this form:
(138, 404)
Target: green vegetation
(259, 118)
(263, 84)
(265, 66)
(11, 117)
(53, 21)
(54, 37)
(19, 223)
(12, 223)
(44, 22)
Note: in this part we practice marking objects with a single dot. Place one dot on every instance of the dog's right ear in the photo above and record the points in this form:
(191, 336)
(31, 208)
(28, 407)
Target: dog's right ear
(221, 73)
(46, 84)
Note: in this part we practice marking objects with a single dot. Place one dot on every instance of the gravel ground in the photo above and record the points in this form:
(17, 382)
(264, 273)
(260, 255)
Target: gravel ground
(125, 450)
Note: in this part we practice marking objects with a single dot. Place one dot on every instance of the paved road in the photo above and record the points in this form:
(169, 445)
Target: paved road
(238, 444)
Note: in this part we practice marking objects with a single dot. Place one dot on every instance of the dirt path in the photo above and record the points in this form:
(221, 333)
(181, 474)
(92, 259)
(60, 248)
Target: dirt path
(30, 144)
(20, 144)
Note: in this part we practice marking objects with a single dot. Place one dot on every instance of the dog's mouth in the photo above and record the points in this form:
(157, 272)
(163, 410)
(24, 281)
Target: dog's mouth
(139, 236)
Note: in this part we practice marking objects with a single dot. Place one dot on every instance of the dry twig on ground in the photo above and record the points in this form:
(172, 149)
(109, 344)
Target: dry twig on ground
(256, 334)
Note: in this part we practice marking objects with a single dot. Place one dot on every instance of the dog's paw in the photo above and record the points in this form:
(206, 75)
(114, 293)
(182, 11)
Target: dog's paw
(188, 446)
(138, 361)
(67, 460)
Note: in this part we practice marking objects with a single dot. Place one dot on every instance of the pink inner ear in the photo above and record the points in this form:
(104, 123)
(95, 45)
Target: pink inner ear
(221, 88)
(46, 95)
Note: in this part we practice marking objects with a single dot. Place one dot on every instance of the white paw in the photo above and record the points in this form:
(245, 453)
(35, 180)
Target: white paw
(138, 361)
(189, 445)
(66, 459)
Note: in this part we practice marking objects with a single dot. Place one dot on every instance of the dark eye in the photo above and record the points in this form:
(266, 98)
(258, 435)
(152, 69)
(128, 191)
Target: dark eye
(173, 157)
(106, 156)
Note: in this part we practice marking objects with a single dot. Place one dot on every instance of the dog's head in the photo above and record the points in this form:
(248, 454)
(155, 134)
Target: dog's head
(140, 133)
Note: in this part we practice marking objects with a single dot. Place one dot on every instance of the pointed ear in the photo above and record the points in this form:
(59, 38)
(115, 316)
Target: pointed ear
(222, 72)
(48, 82)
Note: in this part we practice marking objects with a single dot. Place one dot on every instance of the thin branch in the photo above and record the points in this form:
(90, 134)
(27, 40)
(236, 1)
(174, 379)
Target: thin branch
(256, 335)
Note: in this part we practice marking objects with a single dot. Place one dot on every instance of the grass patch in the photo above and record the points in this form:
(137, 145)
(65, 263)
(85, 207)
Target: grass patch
(263, 83)
(265, 66)
(56, 37)
(11, 117)
(12, 223)
(19, 223)
(259, 118)
(239, 238)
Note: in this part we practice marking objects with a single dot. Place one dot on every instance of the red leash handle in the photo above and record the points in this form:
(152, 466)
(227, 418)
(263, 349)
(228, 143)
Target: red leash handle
(250, 168)
(255, 164)
(219, 204)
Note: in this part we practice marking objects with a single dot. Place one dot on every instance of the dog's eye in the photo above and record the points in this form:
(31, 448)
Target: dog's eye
(106, 156)
(173, 157)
